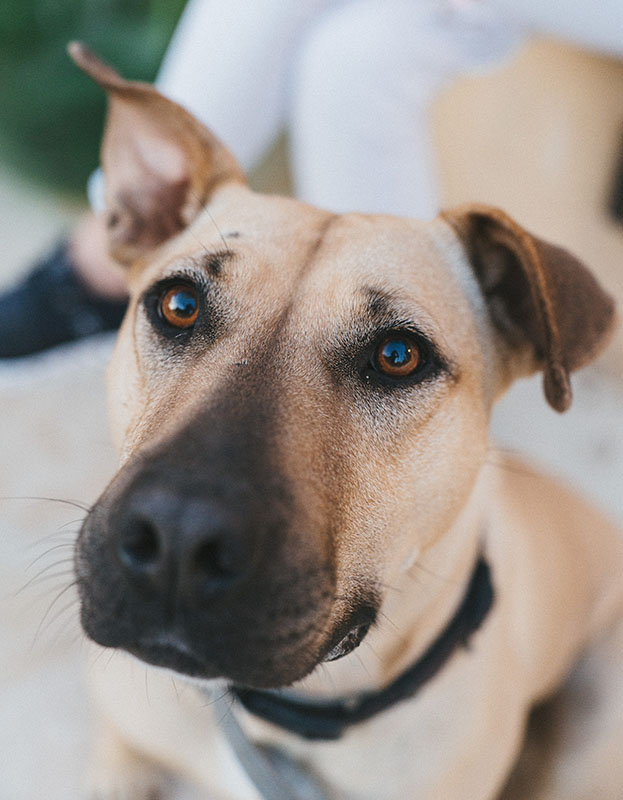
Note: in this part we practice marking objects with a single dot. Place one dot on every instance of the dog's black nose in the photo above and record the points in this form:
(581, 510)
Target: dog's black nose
(186, 548)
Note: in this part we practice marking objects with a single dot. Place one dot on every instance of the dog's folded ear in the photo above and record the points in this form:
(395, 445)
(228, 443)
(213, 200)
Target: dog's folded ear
(161, 165)
(549, 310)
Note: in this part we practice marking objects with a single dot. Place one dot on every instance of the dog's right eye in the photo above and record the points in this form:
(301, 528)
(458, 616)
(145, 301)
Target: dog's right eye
(178, 309)
(178, 305)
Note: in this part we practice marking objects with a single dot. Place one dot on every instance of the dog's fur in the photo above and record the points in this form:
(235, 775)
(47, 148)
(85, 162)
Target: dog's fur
(340, 497)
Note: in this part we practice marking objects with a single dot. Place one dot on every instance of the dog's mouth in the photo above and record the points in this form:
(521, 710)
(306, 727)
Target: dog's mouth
(351, 632)
(348, 643)
(172, 652)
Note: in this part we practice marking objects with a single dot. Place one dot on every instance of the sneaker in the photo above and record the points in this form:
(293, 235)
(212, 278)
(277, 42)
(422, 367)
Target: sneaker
(51, 306)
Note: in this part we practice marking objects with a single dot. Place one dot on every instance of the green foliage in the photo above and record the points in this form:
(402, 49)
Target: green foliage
(51, 115)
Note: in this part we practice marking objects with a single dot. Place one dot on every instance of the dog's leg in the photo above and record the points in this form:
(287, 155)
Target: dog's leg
(588, 745)
(117, 772)
(573, 747)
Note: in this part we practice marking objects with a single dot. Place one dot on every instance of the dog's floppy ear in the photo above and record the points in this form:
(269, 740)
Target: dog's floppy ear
(548, 308)
(160, 164)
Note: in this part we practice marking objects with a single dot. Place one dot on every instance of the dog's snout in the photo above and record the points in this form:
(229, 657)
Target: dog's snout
(189, 548)
(199, 557)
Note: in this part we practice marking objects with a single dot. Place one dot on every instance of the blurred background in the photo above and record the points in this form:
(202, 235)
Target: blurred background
(540, 136)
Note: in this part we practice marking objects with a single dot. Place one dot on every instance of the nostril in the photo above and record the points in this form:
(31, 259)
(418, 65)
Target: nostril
(139, 546)
(217, 560)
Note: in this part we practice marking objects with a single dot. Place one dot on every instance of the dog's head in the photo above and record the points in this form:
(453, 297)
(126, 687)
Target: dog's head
(301, 399)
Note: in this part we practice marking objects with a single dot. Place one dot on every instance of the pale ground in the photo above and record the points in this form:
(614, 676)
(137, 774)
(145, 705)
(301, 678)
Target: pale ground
(55, 444)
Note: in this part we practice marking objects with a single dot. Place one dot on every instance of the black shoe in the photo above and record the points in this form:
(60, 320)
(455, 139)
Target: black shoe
(50, 307)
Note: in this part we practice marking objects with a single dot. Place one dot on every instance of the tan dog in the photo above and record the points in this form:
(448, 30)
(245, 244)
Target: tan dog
(301, 401)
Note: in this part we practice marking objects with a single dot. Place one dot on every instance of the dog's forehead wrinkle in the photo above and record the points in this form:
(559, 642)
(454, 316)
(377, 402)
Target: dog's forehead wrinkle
(213, 262)
(316, 245)
(377, 267)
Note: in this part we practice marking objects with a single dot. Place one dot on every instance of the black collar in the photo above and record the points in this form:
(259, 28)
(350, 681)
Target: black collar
(313, 720)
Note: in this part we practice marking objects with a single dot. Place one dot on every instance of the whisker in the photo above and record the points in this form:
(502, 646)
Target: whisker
(388, 587)
(35, 599)
(362, 663)
(110, 657)
(99, 655)
(63, 536)
(47, 552)
(62, 576)
(41, 575)
(229, 700)
(210, 700)
(72, 522)
(503, 450)
(329, 675)
(71, 604)
(77, 638)
(515, 469)
(63, 610)
(52, 565)
(204, 208)
(147, 687)
(198, 240)
(326, 674)
(429, 572)
(218, 230)
(64, 587)
(70, 624)
(415, 578)
(73, 503)
(387, 619)
(372, 649)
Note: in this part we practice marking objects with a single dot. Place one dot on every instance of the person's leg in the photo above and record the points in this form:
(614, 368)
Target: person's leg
(54, 304)
(229, 63)
(88, 248)
(363, 87)
(595, 26)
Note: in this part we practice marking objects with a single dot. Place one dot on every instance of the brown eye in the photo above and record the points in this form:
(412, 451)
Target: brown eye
(397, 356)
(179, 306)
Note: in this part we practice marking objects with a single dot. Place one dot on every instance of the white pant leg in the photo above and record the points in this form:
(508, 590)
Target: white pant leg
(228, 63)
(595, 24)
(361, 96)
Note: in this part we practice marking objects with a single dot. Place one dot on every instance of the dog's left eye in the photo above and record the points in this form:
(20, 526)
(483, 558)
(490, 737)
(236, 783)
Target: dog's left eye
(397, 355)
(178, 305)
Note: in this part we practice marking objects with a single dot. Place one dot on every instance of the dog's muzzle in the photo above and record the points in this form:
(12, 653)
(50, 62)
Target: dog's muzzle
(198, 558)
(186, 578)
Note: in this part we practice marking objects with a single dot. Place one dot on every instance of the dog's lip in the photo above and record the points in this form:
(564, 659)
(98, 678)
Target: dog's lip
(351, 632)
(348, 643)
(171, 652)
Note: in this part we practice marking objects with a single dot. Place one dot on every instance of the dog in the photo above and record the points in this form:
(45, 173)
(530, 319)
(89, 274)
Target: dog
(308, 523)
